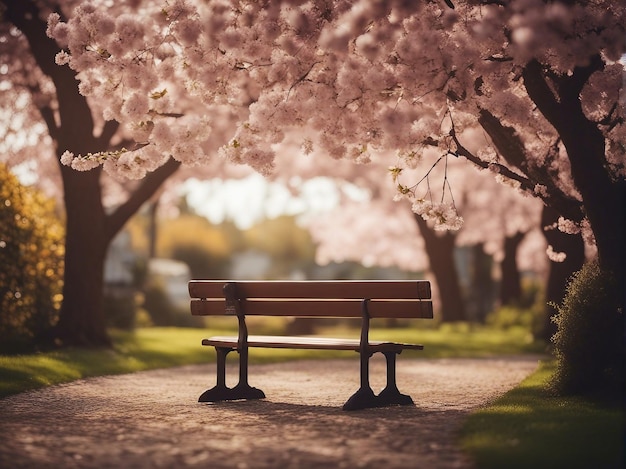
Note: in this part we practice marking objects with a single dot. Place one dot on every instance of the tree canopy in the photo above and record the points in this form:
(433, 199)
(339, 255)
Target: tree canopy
(541, 79)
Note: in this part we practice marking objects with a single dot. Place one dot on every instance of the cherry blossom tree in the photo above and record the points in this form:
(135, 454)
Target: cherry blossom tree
(43, 115)
(51, 116)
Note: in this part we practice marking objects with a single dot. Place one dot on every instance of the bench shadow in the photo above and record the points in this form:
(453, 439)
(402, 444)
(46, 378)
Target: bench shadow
(267, 407)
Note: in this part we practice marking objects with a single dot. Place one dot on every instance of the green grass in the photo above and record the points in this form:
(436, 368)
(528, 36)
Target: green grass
(464, 340)
(528, 428)
(150, 348)
(142, 350)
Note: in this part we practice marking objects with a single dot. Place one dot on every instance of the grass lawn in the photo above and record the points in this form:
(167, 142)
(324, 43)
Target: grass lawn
(528, 428)
(150, 348)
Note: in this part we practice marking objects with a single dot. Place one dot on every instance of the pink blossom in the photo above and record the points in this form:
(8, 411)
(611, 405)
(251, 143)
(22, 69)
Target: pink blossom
(136, 106)
(162, 135)
(62, 58)
(67, 157)
(555, 256)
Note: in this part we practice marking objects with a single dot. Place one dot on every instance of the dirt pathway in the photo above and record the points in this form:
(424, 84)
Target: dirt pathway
(151, 419)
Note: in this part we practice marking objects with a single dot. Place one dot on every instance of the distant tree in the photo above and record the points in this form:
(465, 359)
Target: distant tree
(289, 245)
(511, 283)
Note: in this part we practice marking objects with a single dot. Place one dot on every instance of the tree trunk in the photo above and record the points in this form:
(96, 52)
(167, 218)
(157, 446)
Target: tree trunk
(152, 228)
(510, 281)
(88, 235)
(481, 292)
(603, 197)
(560, 272)
(81, 319)
(440, 250)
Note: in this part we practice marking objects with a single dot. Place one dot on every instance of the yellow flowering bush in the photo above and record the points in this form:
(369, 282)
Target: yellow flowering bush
(31, 256)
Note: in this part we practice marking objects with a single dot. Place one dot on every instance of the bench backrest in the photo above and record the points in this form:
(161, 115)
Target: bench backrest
(324, 298)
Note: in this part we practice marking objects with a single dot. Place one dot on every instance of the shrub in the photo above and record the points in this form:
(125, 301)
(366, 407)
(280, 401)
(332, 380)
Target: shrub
(158, 305)
(163, 312)
(507, 317)
(120, 308)
(589, 341)
(31, 256)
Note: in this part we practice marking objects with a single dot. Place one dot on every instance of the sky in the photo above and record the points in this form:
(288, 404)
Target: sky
(250, 200)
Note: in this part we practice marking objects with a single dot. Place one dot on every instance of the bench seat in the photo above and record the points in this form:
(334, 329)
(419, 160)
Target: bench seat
(309, 343)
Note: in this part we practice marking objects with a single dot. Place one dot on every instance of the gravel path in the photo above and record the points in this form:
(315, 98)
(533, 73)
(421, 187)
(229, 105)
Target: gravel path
(152, 419)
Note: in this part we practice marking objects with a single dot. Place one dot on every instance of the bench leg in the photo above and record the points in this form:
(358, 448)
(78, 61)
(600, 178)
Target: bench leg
(391, 395)
(364, 398)
(223, 393)
(243, 390)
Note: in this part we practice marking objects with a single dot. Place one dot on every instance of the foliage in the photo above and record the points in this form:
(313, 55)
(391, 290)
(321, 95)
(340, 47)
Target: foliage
(31, 255)
(204, 247)
(506, 317)
(163, 312)
(589, 343)
(208, 249)
(120, 309)
(528, 428)
(289, 245)
(528, 311)
(158, 306)
(362, 77)
(280, 237)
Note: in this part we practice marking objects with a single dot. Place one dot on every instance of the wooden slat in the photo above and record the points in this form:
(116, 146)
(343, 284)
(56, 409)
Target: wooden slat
(311, 343)
(319, 308)
(339, 289)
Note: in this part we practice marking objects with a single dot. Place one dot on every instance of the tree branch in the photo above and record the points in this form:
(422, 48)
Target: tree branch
(525, 183)
(575, 82)
(108, 131)
(148, 187)
(568, 207)
(46, 112)
(47, 115)
(541, 94)
(512, 149)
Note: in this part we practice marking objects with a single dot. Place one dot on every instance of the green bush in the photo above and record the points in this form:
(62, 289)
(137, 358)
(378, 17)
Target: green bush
(158, 305)
(201, 262)
(31, 256)
(120, 309)
(165, 314)
(589, 341)
(506, 317)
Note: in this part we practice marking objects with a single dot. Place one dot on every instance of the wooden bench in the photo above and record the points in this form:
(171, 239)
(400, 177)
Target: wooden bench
(316, 299)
